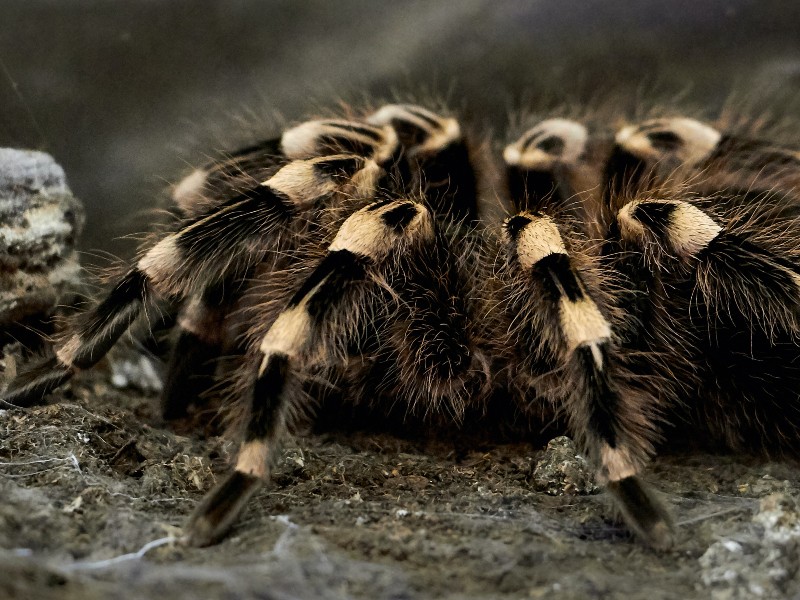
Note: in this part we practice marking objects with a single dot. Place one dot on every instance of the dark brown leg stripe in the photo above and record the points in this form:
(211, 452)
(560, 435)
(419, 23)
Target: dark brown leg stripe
(334, 273)
(421, 115)
(255, 213)
(529, 188)
(220, 508)
(656, 216)
(341, 167)
(751, 258)
(32, 386)
(193, 359)
(601, 401)
(515, 225)
(111, 318)
(191, 370)
(623, 171)
(452, 190)
(553, 145)
(268, 399)
(343, 143)
(399, 217)
(558, 277)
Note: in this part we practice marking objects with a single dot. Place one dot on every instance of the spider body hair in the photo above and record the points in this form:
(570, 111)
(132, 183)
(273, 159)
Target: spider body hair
(635, 286)
(726, 171)
(728, 256)
(740, 301)
(255, 163)
(425, 137)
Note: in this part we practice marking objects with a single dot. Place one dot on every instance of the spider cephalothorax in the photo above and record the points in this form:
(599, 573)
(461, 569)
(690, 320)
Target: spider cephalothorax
(629, 288)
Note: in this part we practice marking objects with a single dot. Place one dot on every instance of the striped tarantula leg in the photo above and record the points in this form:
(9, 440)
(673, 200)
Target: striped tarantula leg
(541, 165)
(260, 161)
(243, 166)
(236, 234)
(201, 339)
(436, 160)
(577, 336)
(364, 243)
(649, 153)
(660, 146)
(337, 136)
(208, 249)
(667, 230)
(743, 300)
(96, 332)
(31, 386)
(169, 267)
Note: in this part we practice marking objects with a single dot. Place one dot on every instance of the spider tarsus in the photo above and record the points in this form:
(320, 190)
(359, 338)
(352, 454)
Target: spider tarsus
(643, 512)
(32, 386)
(219, 510)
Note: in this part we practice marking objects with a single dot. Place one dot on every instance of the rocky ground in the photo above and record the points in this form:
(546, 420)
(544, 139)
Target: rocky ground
(94, 491)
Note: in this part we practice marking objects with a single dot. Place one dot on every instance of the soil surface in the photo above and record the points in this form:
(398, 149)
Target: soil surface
(95, 489)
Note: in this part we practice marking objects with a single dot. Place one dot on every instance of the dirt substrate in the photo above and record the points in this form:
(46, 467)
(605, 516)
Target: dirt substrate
(94, 492)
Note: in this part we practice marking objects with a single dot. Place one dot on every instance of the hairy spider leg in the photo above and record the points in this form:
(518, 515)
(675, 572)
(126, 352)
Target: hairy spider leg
(743, 301)
(224, 177)
(650, 154)
(251, 164)
(570, 332)
(202, 321)
(202, 337)
(364, 248)
(436, 161)
(229, 239)
(726, 171)
(541, 165)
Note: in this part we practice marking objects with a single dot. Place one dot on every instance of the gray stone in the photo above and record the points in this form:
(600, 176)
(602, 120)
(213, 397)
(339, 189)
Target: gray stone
(563, 471)
(761, 562)
(39, 223)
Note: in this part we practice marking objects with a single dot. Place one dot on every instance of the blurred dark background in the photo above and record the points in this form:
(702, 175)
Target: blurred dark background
(127, 94)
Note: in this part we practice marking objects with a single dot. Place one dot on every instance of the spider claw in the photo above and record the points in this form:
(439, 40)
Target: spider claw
(643, 512)
(219, 510)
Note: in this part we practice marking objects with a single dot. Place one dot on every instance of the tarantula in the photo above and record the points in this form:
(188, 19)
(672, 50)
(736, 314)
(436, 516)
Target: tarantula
(642, 282)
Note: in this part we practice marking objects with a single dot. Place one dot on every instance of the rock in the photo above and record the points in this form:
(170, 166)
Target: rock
(132, 369)
(563, 471)
(761, 563)
(40, 221)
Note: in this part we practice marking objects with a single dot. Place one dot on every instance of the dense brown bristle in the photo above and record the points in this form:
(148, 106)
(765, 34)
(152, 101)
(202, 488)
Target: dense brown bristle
(648, 274)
